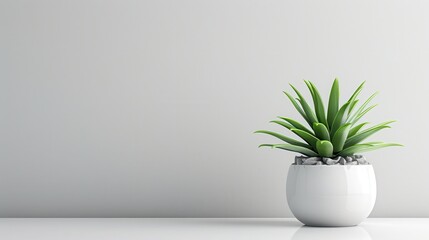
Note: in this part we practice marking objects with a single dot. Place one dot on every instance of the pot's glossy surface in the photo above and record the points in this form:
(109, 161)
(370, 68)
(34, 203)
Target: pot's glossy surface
(331, 196)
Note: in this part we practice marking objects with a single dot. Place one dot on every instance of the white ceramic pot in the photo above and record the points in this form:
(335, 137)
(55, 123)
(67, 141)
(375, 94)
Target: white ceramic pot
(331, 196)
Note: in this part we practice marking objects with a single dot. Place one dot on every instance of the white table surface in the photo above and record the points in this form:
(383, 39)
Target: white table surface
(206, 228)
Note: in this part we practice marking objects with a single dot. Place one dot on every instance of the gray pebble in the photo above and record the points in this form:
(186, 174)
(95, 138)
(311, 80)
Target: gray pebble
(362, 161)
(330, 161)
(298, 160)
(310, 161)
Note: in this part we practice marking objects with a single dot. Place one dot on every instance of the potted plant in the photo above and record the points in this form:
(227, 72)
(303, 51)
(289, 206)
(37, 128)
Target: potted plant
(329, 184)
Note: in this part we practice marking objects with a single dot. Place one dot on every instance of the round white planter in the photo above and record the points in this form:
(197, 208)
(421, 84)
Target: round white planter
(331, 196)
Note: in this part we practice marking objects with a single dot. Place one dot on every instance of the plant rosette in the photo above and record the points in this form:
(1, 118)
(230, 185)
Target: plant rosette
(330, 183)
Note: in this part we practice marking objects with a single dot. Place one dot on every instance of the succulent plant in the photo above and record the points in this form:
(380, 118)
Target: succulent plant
(331, 133)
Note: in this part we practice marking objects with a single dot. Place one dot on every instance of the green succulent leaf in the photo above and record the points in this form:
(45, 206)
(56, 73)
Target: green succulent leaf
(340, 137)
(334, 102)
(321, 131)
(281, 123)
(360, 148)
(352, 101)
(340, 118)
(284, 138)
(356, 92)
(296, 124)
(292, 148)
(309, 138)
(310, 88)
(324, 148)
(351, 108)
(318, 103)
(298, 107)
(307, 109)
(373, 143)
(361, 108)
(358, 117)
(359, 137)
(356, 129)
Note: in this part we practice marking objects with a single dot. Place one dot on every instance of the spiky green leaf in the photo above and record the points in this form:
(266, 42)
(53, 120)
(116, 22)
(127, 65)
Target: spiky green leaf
(321, 131)
(307, 109)
(340, 137)
(359, 148)
(358, 117)
(361, 108)
(298, 107)
(309, 138)
(334, 102)
(310, 88)
(351, 108)
(365, 134)
(281, 123)
(352, 100)
(296, 124)
(373, 143)
(340, 118)
(292, 148)
(318, 104)
(356, 92)
(356, 129)
(284, 138)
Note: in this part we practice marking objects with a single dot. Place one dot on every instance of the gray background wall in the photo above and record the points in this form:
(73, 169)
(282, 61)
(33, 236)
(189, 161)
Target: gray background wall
(147, 108)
